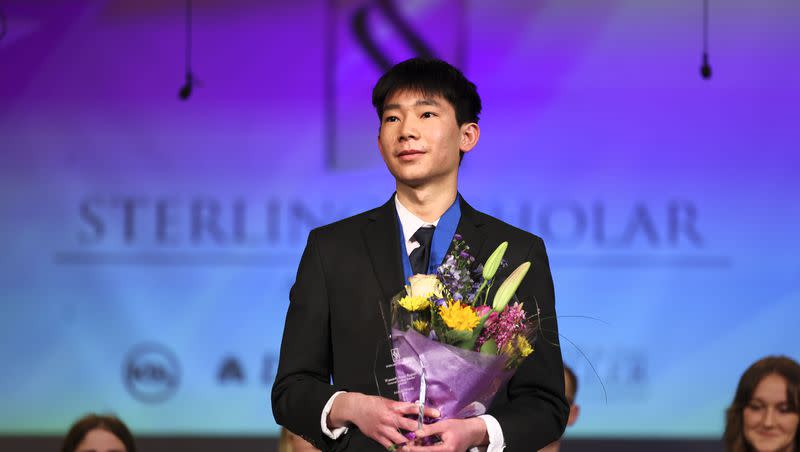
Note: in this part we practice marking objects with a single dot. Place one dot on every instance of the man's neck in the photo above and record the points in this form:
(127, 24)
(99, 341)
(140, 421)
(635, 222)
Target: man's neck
(427, 203)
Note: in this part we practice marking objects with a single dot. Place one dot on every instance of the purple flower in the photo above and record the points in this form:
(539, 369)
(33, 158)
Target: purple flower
(457, 236)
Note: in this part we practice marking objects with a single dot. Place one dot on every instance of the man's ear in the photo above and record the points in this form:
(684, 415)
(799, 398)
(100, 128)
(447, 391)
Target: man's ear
(470, 133)
(574, 412)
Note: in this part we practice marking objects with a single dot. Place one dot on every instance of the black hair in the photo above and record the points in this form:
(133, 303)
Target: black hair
(431, 77)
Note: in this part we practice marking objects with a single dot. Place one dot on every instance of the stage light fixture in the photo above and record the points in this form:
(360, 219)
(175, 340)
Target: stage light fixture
(186, 89)
(190, 82)
(705, 67)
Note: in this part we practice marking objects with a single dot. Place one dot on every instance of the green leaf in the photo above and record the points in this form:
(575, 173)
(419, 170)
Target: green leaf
(457, 337)
(489, 347)
(470, 343)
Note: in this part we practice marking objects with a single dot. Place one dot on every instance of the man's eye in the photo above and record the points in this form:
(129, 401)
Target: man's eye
(391, 119)
(428, 114)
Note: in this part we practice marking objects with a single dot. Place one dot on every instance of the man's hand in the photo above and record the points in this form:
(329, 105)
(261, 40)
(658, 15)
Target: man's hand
(376, 417)
(457, 435)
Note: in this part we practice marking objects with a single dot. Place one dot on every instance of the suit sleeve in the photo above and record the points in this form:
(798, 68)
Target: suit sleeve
(537, 410)
(303, 383)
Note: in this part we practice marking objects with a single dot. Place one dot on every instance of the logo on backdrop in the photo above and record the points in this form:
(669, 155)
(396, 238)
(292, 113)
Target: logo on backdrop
(605, 371)
(151, 373)
(234, 371)
(169, 223)
(153, 230)
(371, 36)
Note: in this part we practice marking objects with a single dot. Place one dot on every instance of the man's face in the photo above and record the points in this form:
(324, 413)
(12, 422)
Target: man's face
(420, 139)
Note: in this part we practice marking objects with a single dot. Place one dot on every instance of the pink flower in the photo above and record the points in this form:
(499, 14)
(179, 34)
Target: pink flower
(503, 327)
(482, 310)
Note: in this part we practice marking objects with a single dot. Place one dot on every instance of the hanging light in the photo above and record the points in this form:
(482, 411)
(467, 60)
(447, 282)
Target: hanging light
(186, 90)
(705, 67)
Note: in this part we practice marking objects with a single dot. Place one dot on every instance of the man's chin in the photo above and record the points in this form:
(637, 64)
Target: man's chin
(418, 179)
(410, 180)
(413, 183)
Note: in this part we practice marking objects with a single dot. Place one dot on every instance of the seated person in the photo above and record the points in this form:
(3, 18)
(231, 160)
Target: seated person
(96, 433)
(289, 442)
(570, 389)
(766, 408)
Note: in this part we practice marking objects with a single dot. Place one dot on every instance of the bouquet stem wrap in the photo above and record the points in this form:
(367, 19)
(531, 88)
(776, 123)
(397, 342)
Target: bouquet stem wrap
(460, 383)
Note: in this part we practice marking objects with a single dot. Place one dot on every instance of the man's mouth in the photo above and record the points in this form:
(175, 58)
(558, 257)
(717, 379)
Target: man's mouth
(409, 153)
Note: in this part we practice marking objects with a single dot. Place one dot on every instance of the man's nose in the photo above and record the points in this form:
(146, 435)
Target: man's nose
(409, 130)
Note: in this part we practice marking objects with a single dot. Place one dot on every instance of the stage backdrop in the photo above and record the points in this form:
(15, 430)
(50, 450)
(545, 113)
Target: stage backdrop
(148, 244)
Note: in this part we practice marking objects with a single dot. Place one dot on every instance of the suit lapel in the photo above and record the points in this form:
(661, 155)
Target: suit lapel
(382, 241)
(469, 226)
(383, 245)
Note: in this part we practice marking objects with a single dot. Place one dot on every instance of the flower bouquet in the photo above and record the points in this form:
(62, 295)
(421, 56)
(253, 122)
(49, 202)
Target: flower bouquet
(453, 348)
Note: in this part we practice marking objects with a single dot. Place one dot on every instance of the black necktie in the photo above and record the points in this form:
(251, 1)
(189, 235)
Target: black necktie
(421, 255)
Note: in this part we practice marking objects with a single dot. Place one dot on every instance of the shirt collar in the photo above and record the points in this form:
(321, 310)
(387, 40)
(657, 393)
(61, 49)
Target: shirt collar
(409, 221)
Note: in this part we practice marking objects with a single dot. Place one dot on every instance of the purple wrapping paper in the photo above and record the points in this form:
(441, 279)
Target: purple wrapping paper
(460, 383)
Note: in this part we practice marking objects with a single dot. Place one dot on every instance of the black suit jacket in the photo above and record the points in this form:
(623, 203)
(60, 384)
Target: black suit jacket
(347, 275)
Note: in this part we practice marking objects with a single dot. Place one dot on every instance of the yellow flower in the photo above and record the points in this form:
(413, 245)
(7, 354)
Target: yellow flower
(459, 316)
(414, 303)
(420, 325)
(519, 346)
(524, 346)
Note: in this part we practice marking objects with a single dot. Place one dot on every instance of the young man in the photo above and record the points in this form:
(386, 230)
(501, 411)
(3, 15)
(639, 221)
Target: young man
(333, 371)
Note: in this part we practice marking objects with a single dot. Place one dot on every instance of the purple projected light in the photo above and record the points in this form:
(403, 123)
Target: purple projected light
(667, 202)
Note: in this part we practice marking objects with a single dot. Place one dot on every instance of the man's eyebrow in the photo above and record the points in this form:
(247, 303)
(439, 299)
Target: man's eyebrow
(427, 101)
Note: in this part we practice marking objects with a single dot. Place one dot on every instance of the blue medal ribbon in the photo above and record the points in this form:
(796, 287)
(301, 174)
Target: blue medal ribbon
(442, 237)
